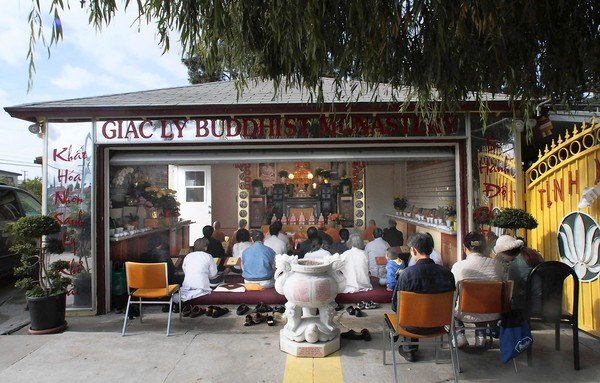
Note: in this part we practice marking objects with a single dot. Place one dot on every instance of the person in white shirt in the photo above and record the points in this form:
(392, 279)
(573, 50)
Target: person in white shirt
(199, 267)
(273, 241)
(282, 236)
(356, 266)
(377, 248)
(242, 242)
(475, 266)
(316, 251)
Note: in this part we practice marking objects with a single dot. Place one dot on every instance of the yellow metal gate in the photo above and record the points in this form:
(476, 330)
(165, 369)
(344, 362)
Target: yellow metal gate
(555, 184)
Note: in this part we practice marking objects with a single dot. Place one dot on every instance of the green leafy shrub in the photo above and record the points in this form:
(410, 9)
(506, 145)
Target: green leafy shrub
(514, 219)
(38, 275)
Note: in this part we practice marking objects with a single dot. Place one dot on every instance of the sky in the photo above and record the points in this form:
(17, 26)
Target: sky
(124, 57)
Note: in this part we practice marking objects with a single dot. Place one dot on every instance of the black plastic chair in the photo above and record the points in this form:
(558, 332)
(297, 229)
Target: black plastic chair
(552, 275)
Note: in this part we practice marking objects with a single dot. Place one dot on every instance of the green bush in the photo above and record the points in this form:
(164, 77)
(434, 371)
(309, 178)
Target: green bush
(514, 219)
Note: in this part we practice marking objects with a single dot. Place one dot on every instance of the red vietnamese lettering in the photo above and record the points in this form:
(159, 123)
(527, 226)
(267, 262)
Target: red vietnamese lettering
(248, 123)
(202, 127)
(180, 125)
(109, 133)
(558, 190)
(66, 154)
(290, 128)
(131, 130)
(236, 124)
(573, 182)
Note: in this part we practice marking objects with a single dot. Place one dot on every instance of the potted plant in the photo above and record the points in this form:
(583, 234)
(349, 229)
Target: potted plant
(41, 277)
(400, 203)
(257, 185)
(514, 219)
(450, 212)
(345, 186)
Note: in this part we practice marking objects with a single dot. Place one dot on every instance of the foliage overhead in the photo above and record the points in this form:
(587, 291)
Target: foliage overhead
(527, 49)
(33, 186)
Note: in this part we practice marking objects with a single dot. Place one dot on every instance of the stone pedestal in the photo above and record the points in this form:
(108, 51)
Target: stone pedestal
(308, 350)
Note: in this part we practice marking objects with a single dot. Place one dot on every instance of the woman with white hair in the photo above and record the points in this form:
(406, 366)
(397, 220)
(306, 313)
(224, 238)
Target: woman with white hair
(356, 267)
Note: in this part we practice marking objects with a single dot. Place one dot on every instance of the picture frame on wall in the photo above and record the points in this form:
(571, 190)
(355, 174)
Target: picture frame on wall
(267, 173)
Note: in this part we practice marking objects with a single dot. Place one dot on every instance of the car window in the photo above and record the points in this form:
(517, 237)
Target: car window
(30, 205)
(9, 209)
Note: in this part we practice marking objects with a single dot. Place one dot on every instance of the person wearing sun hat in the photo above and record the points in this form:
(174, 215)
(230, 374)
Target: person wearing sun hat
(521, 260)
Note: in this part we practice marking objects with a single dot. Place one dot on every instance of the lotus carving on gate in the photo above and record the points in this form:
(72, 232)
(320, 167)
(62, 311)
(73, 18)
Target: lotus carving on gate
(578, 243)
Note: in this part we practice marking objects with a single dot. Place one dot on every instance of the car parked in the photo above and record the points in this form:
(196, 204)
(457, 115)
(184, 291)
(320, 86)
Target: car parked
(14, 204)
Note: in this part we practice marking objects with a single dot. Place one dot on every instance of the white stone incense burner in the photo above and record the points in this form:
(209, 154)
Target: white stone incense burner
(310, 287)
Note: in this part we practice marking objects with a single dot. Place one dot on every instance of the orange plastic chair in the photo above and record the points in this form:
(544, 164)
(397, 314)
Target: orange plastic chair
(481, 297)
(148, 282)
(420, 310)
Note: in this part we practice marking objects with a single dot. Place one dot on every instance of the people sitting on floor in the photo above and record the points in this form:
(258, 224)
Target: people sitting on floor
(283, 236)
(305, 246)
(392, 235)
(241, 225)
(242, 242)
(199, 268)
(158, 254)
(356, 266)
(341, 246)
(332, 231)
(476, 265)
(521, 260)
(393, 267)
(215, 248)
(317, 250)
(273, 241)
(424, 277)
(377, 248)
(258, 262)
(217, 233)
(368, 233)
(434, 256)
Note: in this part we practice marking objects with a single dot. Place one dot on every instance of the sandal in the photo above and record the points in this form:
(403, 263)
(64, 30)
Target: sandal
(197, 311)
(186, 311)
(351, 310)
(371, 305)
(270, 320)
(242, 309)
(219, 312)
(366, 335)
(358, 313)
(279, 309)
(361, 305)
(257, 318)
(248, 321)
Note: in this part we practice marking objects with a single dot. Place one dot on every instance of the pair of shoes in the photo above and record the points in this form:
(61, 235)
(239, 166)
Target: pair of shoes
(408, 355)
(210, 310)
(364, 334)
(279, 309)
(262, 308)
(258, 318)
(248, 321)
(219, 312)
(357, 312)
(370, 305)
(242, 309)
(186, 311)
(270, 320)
(461, 340)
(196, 311)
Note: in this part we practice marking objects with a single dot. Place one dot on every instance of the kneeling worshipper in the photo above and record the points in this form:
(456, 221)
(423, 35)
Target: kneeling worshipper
(356, 266)
(317, 250)
(258, 262)
(199, 269)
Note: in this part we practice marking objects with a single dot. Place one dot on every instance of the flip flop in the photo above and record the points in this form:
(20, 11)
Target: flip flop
(219, 312)
(242, 309)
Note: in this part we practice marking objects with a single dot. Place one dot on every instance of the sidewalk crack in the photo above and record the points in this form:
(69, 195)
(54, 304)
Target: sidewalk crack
(180, 356)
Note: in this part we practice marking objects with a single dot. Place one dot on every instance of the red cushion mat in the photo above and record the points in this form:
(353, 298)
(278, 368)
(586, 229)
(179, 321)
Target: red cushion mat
(270, 296)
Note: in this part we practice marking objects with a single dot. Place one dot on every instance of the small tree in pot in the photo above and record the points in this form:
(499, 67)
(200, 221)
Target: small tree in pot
(42, 279)
(514, 219)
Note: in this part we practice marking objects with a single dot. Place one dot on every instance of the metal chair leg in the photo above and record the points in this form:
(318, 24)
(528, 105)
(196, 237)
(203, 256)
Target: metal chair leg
(140, 304)
(169, 320)
(453, 357)
(575, 345)
(383, 341)
(393, 357)
(126, 316)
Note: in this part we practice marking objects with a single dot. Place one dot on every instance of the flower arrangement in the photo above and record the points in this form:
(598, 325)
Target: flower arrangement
(121, 175)
(162, 198)
(335, 218)
(483, 215)
(450, 211)
(400, 203)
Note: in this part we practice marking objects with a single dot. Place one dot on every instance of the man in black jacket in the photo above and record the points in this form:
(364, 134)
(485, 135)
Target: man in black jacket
(392, 235)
